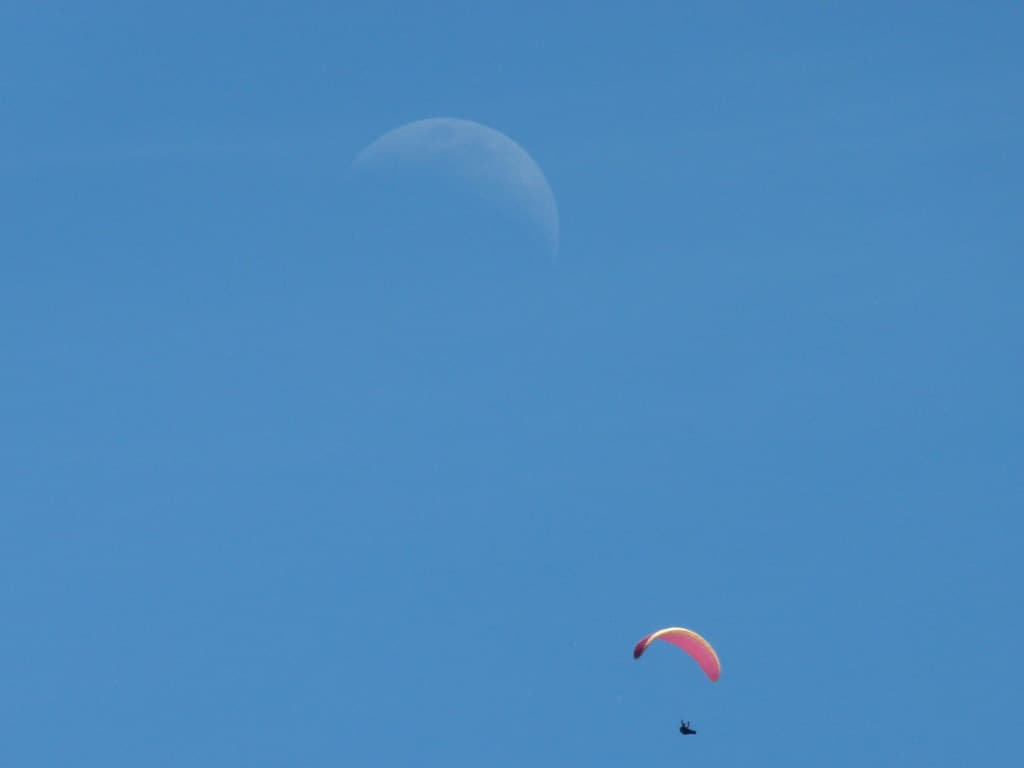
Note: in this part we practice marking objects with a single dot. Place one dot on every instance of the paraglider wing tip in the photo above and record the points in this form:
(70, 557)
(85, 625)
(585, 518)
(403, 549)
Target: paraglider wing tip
(640, 647)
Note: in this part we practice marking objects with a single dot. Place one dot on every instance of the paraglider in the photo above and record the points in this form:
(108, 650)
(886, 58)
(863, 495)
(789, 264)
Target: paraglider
(697, 647)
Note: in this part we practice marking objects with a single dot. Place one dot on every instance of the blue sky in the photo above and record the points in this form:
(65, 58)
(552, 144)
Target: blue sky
(273, 494)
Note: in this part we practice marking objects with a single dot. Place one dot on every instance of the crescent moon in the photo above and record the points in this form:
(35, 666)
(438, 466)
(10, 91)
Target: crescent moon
(483, 156)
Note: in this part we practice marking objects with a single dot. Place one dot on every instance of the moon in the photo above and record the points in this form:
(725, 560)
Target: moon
(500, 192)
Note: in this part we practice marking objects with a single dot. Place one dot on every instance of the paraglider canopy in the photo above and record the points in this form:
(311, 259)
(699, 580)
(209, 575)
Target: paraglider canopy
(688, 640)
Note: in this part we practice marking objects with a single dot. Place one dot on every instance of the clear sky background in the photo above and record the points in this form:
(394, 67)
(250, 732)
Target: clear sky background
(273, 494)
